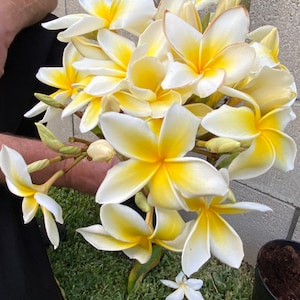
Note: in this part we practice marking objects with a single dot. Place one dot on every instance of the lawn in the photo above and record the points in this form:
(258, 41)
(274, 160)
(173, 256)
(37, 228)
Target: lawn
(89, 274)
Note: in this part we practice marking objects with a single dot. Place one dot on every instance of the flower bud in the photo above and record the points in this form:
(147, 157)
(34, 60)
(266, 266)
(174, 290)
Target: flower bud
(71, 150)
(48, 138)
(101, 150)
(222, 145)
(38, 165)
(141, 202)
(48, 100)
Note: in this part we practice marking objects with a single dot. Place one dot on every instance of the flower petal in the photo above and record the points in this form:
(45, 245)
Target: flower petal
(225, 244)
(192, 294)
(130, 136)
(177, 295)
(117, 47)
(209, 82)
(29, 209)
(196, 249)
(174, 143)
(15, 170)
(231, 122)
(169, 224)
(217, 36)
(185, 44)
(123, 223)
(285, 149)
(195, 284)
(140, 252)
(163, 193)
(229, 59)
(253, 162)
(51, 205)
(51, 228)
(90, 118)
(195, 177)
(179, 75)
(99, 238)
(124, 180)
(240, 208)
(169, 283)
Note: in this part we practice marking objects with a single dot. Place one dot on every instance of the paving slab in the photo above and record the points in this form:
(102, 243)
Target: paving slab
(257, 228)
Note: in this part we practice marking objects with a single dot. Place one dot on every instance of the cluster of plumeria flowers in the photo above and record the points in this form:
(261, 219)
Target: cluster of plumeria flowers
(157, 84)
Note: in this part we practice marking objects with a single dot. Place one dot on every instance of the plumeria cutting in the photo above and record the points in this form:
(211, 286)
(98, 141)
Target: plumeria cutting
(185, 99)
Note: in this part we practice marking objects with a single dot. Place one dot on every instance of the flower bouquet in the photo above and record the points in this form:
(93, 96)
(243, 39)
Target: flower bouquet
(188, 100)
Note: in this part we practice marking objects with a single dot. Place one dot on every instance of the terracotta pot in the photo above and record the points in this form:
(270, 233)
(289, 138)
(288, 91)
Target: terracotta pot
(277, 271)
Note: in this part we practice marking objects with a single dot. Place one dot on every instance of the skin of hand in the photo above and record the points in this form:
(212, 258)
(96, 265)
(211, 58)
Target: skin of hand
(85, 177)
(16, 15)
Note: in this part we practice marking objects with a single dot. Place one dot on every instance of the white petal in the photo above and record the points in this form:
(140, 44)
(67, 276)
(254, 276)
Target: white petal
(123, 223)
(196, 250)
(124, 180)
(51, 205)
(130, 136)
(169, 283)
(176, 143)
(14, 167)
(51, 228)
(99, 238)
(192, 294)
(225, 244)
(177, 295)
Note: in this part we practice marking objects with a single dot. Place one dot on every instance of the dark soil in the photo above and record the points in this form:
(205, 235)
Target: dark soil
(279, 266)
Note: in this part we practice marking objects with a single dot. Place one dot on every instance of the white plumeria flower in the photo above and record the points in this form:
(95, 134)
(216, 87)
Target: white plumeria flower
(157, 160)
(123, 229)
(131, 15)
(184, 287)
(63, 79)
(212, 59)
(19, 183)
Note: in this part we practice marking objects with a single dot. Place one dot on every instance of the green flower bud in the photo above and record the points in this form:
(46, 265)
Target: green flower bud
(48, 138)
(48, 100)
(222, 145)
(73, 150)
(38, 165)
(141, 202)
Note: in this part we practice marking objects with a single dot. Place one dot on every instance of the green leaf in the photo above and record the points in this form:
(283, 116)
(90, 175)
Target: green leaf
(139, 271)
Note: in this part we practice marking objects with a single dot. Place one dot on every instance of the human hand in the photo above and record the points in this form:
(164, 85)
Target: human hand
(3, 56)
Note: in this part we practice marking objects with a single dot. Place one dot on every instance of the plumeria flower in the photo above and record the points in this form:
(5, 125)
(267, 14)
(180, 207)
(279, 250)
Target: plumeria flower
(212, 59)
(157, 159)
(34, 196)
(92, 108)
(269, 145)
(123, 229)
(185, 9)
(265, 41)
(146, 97)
(184, 287)
(63, 78)
(211, 233)
(131, 15)
(109, 74)
(270, 89)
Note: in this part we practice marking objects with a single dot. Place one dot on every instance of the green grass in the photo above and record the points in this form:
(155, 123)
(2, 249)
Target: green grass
(88, 274)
